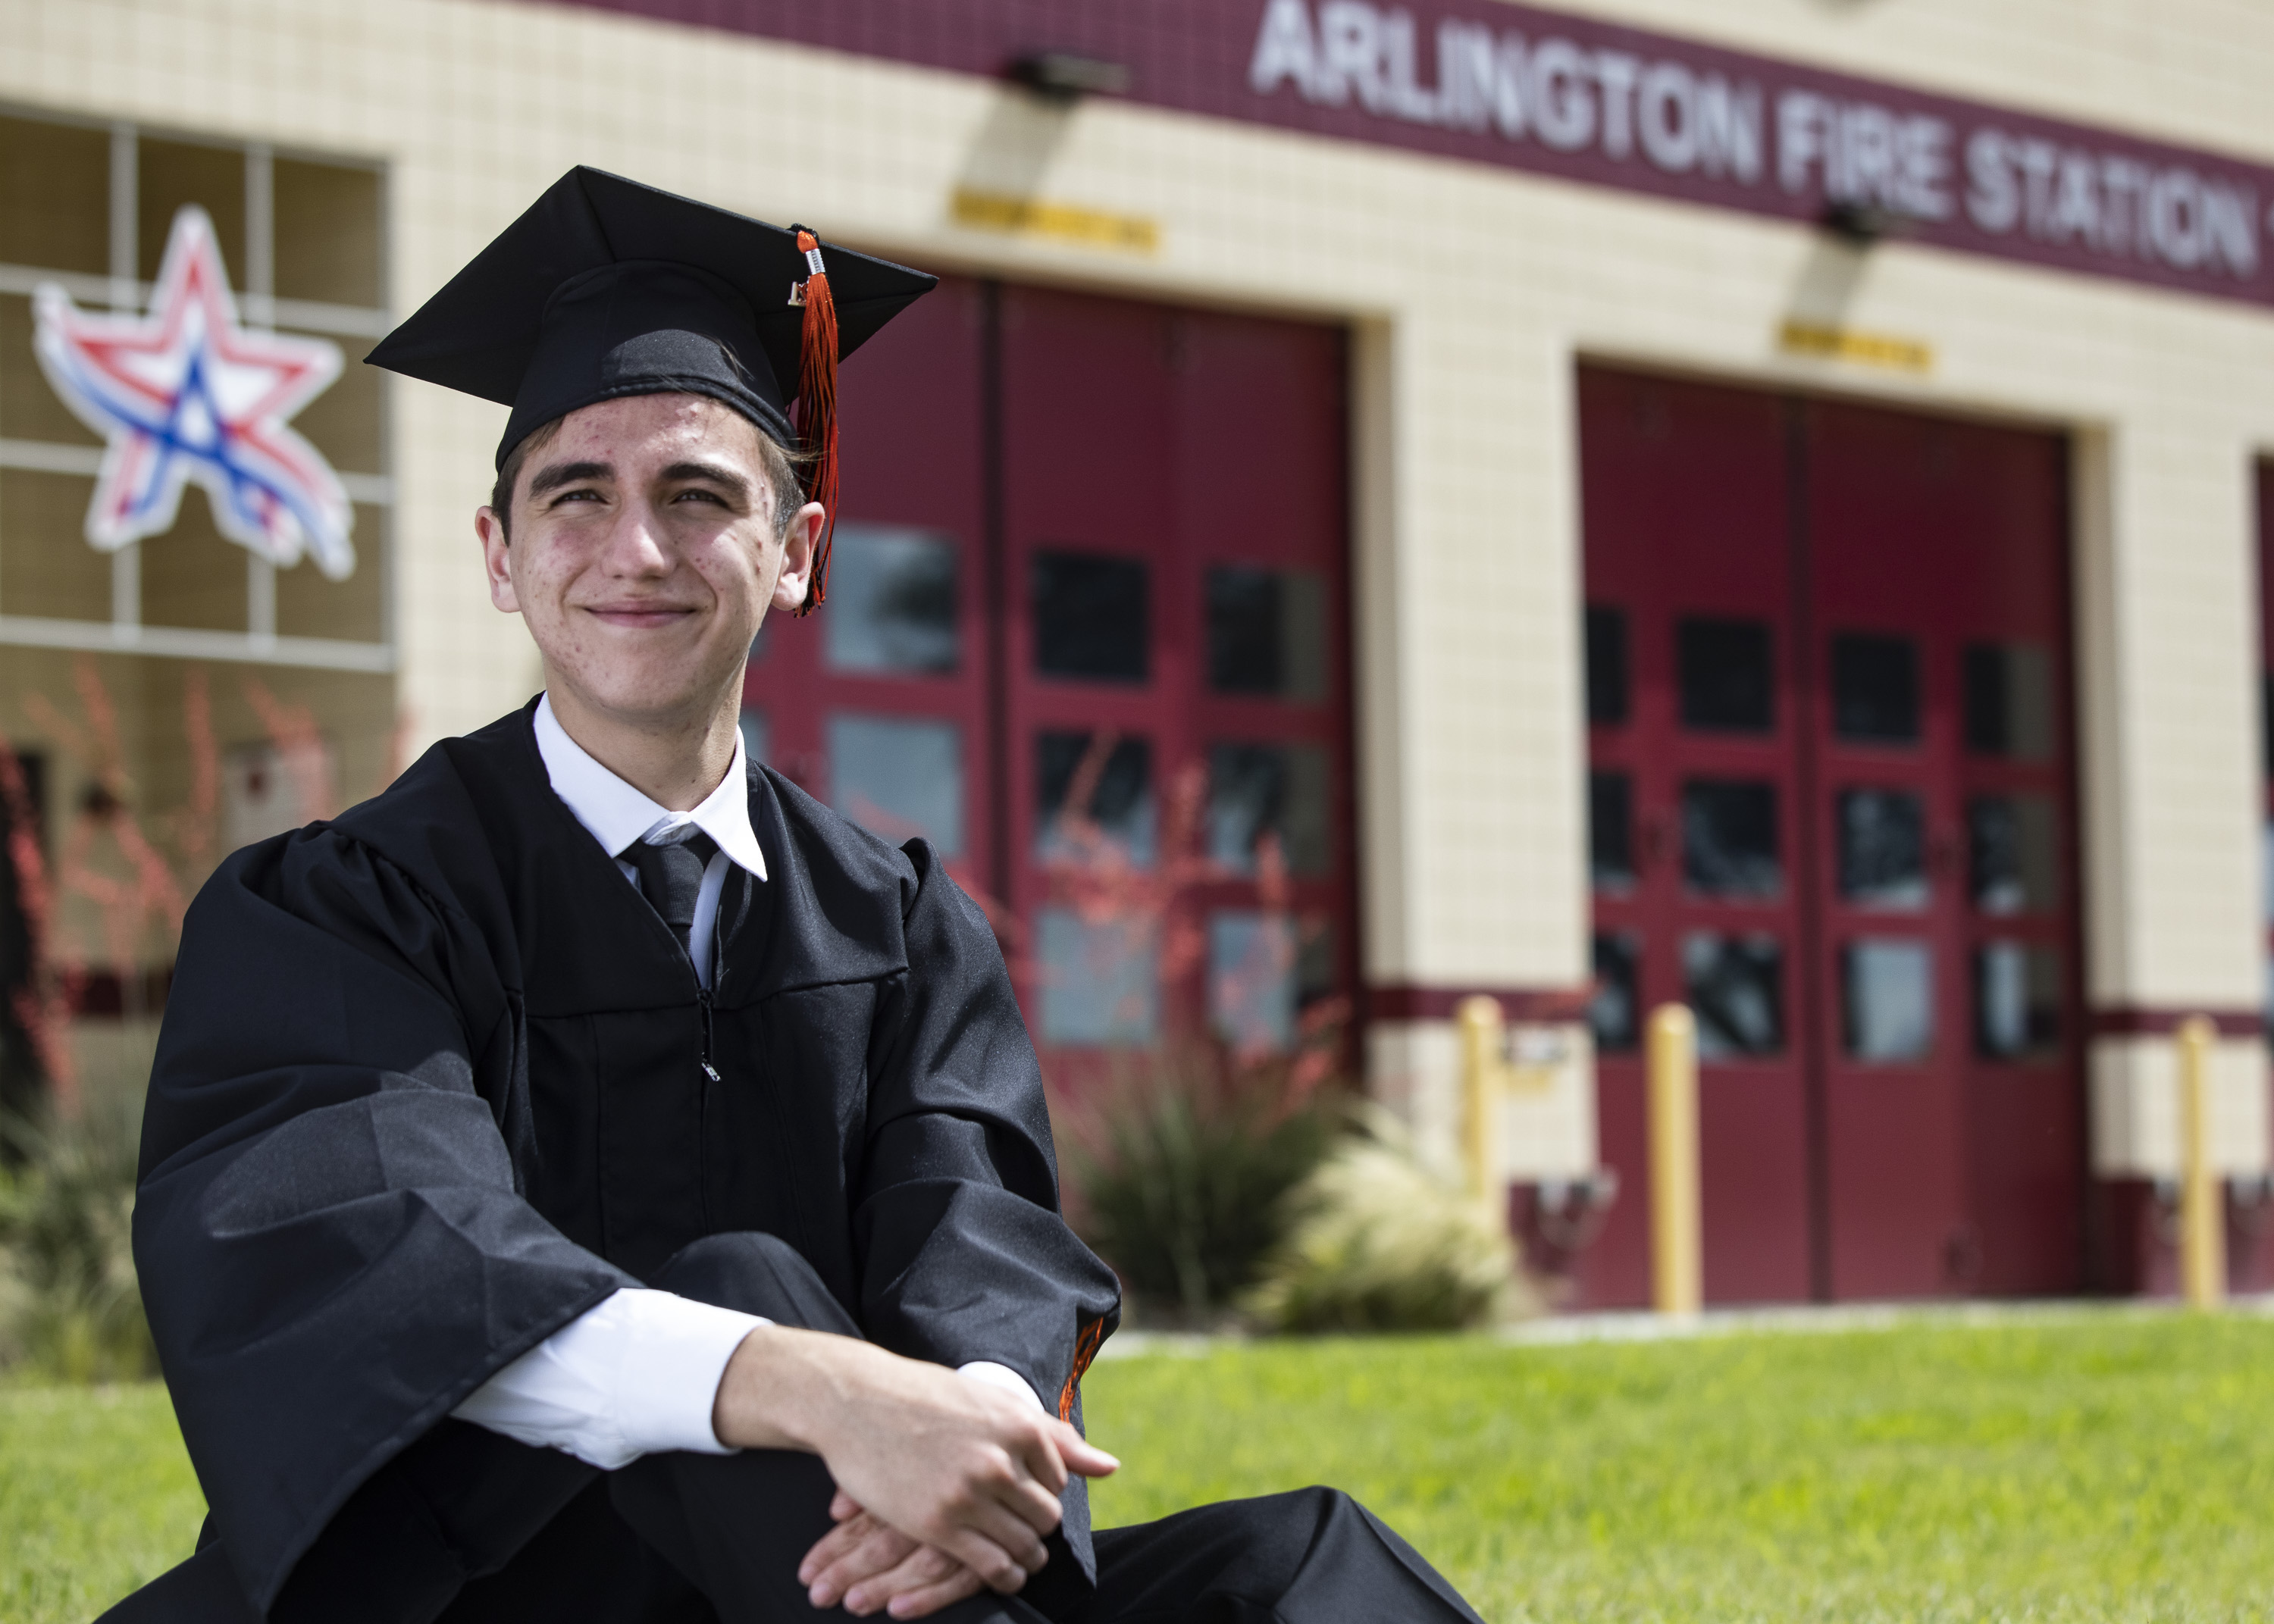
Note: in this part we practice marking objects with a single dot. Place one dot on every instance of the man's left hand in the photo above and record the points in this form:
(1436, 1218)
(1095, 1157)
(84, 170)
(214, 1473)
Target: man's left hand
(869, 1564)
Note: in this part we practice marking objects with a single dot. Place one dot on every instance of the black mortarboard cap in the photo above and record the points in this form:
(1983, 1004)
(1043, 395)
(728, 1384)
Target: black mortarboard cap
(607, 288)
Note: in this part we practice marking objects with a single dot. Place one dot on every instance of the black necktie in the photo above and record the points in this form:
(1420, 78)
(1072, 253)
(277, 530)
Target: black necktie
(670, 875)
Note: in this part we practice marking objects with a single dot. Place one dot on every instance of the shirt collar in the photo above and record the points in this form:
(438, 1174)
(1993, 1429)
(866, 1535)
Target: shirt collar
(616, 815)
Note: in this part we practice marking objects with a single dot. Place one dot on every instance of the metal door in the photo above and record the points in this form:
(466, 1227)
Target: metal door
(877, 703)
(1938, 610)
(1695, 714)
(1086, 631)
(1831, 809)
(1175, 703)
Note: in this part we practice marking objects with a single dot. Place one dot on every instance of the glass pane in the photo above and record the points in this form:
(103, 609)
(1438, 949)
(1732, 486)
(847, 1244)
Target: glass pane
(2266, 719)
(1728, 681)
(1882, 838)
(348, 421)
(1093, 798)
(29, 407)
(327, 232)
(1252, 980)
(2009, 701)
(1736, 991)
(1259, 790)
(1099, 979)
(1614, 1013)
(1887, 999)
(1318, 975)
(45, 568)
(756, 736)
(54, 193)
(899, 778)
(1875, 689)
(1607, 665)
(1090, 618)
(171, 174)
(265, 791)
(2013, 854)
(1266, 632)
(1729, 838)
(891, 601)
(1610, 831)
(2017, 1000)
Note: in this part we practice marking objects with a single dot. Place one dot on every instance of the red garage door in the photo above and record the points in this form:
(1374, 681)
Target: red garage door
(1832, 808)
(1086, 632)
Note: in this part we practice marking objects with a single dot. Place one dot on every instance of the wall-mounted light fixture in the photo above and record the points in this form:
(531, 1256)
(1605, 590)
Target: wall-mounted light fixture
(1066, 77)
(1859, 225)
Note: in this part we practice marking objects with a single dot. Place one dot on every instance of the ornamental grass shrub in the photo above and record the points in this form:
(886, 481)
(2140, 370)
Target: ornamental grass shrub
(1178, 1165)
(1374, 1241)
(70, 1308)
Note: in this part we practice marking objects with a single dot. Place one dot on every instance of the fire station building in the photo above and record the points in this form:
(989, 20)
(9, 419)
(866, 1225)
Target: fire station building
(1758, 503)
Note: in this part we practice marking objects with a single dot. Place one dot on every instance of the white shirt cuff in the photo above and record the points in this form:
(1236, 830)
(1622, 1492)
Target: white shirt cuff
(636, 1373)
(1001, 1376)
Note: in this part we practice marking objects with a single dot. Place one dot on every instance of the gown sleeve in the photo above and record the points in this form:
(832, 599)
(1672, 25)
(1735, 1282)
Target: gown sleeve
(332, 1246)
(964, 1256)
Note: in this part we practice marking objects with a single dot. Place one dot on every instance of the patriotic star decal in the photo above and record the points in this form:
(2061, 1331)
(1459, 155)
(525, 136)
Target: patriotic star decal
(185, 392)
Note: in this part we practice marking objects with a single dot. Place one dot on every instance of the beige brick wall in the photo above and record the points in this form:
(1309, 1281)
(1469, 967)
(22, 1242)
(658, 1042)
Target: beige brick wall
(2134, 1100)
(1467, 545)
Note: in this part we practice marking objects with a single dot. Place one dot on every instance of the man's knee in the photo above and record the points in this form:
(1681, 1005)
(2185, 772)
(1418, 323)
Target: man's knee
(756, 1273)
(201, 1590)
(1310, 1553)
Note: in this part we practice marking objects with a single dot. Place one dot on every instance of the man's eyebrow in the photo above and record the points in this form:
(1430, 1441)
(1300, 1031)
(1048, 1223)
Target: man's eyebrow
(710, 473)
(553, 478)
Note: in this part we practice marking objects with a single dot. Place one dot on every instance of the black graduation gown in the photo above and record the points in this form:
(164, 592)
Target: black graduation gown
(434, 1079)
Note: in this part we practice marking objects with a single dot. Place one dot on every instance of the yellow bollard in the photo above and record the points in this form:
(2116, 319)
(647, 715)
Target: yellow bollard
(2203, 1216)
(1482, 1065)
(1677, 1270)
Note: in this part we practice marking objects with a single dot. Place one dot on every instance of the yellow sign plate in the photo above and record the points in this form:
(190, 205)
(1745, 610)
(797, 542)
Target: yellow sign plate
(1903, 355)
(1066, 223)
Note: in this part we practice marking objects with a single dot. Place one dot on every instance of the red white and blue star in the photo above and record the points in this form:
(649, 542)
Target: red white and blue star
(185, 393)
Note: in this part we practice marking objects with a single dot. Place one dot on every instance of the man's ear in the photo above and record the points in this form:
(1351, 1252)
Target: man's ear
(497, 559)
(798, 545)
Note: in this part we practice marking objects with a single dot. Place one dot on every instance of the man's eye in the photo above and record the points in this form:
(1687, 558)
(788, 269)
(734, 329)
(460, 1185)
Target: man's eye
(577, 496)
(696, 496)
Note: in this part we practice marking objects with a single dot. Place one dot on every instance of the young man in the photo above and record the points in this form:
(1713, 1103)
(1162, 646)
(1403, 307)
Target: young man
(594, 1181)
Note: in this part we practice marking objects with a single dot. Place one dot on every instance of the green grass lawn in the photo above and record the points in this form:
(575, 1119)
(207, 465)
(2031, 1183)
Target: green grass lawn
(2095, 1467)
(2100, 1466)
(96, 1496)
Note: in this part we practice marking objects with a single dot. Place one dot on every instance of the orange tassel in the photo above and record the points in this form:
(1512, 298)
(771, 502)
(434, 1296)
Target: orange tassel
(817, 408)
(1084, 1350)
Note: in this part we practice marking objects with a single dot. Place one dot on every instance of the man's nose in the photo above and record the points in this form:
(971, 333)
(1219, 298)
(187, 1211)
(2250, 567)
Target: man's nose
(636, 545)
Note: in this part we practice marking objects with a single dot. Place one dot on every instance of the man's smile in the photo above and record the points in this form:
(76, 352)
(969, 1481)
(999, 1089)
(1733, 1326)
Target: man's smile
(641, 616)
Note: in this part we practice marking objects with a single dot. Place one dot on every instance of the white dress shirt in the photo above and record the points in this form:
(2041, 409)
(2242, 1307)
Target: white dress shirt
(639, 1372)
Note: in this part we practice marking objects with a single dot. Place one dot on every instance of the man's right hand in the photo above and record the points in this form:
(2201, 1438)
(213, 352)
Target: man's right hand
(869, 1565)
(952, 1464)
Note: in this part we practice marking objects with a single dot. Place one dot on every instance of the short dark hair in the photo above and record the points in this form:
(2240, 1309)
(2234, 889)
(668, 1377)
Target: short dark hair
(784, 471)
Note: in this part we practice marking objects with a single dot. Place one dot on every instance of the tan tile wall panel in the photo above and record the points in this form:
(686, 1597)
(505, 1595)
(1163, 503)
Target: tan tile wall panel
(2135, 1105)
(1480, 290)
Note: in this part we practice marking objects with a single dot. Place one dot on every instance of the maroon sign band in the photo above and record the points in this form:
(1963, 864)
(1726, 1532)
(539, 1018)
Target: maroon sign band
(1610, 106)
